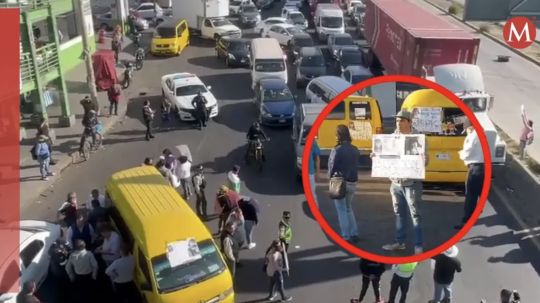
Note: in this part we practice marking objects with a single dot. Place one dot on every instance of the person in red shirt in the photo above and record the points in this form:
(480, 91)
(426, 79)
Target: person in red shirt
(114, 93)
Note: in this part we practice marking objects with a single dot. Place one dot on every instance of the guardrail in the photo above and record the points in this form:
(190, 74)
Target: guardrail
(25, 4)
(47, 58)
(27, 68)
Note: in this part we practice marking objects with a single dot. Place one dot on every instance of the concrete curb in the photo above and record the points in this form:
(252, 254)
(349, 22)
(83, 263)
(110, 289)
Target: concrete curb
(495, 39)
(523, 166)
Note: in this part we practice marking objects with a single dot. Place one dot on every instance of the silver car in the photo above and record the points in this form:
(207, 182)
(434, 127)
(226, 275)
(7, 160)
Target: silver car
(106, 22)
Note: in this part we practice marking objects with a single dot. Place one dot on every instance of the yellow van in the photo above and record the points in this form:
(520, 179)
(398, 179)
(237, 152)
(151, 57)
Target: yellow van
(363, 116)
(152, 217)
(444, 165)
(170, 37)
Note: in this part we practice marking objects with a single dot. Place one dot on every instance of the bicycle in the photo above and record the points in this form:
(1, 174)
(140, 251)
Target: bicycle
(89, 146)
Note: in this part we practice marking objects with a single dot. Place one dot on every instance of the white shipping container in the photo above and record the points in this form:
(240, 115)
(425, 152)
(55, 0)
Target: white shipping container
(194, 11)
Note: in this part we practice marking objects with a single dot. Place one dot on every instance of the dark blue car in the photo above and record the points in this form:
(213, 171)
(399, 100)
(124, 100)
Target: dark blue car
(275, 102)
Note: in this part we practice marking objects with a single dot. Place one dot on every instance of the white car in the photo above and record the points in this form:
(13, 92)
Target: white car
(146, 11)
(286, 9)
(180, 89)
(283, 33)
(213, 28)
(234, 6)
(297, 19)
(351, 4)
(35, 239)
(265, 25)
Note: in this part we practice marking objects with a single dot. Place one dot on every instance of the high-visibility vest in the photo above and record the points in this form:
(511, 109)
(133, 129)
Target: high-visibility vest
(407, 267)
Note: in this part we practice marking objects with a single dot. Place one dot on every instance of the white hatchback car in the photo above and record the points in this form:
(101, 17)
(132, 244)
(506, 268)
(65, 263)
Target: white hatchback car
(264, 25)
(180, 89)
(35, 239)
(283, 33)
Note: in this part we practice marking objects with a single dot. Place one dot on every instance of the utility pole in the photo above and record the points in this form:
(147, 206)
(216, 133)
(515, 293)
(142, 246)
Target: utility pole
(84, 10)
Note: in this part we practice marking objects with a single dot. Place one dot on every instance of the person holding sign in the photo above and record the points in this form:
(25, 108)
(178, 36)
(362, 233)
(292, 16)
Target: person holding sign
(472, 155)
(406, 194)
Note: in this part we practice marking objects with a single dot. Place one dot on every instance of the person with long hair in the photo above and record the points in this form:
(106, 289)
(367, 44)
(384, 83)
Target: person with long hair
(343, 162)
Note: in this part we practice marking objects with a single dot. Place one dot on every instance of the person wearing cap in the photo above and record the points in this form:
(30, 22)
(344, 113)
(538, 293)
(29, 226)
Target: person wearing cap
(403, 274)
(406, 193)
(199, 184)
(285, 230)
(472, 156)
(233, 180)
(343, 161)
(43, 155)
(446, 265)
(225, 202)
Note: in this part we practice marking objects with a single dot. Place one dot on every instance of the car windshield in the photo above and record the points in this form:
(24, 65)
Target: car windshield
(476, 104)
(250, 9)
(316, 61)
(358, 9)
(238, 46)
(190, 90)
(344, 41)
(277, 94)
(166, 32)
(297, 18)
(351, 58)
(269, 65)
(332, 22)
(221, 22)
(303, 42)
(170, 279)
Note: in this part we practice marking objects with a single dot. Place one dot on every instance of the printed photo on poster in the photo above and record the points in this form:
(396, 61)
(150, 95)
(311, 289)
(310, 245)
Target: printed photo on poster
(398, 156)
(413, 146)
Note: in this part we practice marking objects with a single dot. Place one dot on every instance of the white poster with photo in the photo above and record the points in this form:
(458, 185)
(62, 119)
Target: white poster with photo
(182, 252)
(427, 119)
(361, 130)
(399, 156)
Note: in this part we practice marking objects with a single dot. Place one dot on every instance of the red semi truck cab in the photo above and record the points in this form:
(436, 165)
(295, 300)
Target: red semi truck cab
(407, 39)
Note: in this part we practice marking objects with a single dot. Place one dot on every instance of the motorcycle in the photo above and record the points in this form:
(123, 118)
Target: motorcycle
(137, 39)
(139, 57)
(128, 75)
(256, 152)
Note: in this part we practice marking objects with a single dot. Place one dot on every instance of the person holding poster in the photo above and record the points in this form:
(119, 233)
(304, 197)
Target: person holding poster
(406, 193)
(472, 155)
(343, 161)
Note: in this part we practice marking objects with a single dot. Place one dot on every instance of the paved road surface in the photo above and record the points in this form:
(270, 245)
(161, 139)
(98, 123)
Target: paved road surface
(493, 255)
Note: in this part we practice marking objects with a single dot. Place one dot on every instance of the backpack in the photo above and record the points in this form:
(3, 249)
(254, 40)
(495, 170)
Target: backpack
(33, 153)
(530, 138)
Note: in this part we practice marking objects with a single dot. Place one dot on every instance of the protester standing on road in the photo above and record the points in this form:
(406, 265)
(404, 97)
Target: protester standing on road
(68, 210)
(401, 280)
(230, 247)
(343, 161)
(406, 195)
(199, 104)
(184, 174)
(121, 273)
(225, 202)
(237, 218)
(82, 269)
(285, 230)
(95, 196)
(170, 159)
(250, 209)
(117, 41)
(27, 293)
(473, 157)
(314, 168)
(275, 265)
(233, 180)
(148, 116)
(446, 265)
(114, 93)
(110, 249)
(43, 155)
(527, 133)
(371, 272)
(97, 215)
(199, 184)
(44, 129)
(81, 230)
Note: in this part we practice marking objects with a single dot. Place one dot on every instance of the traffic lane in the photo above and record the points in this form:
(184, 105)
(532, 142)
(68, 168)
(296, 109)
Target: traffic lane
(440, 210)
(513, 83)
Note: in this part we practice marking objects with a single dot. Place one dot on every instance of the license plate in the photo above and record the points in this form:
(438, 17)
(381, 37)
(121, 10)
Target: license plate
(443, 157)
(282, 120)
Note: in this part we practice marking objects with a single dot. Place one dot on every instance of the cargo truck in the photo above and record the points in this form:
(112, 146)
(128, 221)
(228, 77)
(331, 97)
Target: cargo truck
(207, 18)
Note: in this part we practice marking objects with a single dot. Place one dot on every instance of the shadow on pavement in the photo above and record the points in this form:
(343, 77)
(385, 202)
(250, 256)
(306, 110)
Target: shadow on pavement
(221, 85)
(211, 62)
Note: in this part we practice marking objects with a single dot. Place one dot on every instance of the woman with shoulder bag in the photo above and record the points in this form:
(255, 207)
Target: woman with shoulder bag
(343, 174)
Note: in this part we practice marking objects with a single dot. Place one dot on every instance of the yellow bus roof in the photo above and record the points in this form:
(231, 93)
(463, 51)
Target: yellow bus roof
(427, 98)
(153, 210)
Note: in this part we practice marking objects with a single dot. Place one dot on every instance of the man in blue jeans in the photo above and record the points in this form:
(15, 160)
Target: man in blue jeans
(314, 168)
(406, 195)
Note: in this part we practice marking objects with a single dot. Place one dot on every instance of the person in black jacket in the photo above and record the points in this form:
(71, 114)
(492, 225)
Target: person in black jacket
(200, 112)
(250, 210)
(343, 162)
(371, 272)
(446, 265)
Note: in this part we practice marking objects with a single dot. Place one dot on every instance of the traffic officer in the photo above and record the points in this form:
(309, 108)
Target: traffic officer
(403, 274)
(285, 230)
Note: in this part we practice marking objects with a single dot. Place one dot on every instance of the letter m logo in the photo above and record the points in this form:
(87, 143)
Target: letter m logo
(519, 32)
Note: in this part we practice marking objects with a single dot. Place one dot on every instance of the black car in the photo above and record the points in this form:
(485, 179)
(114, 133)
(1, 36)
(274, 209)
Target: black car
(234, 50)
(347, 57)
(309, 65)
(336, 42)
(298, 41)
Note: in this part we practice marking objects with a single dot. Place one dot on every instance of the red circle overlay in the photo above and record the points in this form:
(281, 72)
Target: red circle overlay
(519, 32)
(322, 221)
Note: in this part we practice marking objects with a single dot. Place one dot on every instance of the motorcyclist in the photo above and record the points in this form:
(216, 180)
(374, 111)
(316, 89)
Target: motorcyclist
(255, 132)
(89, 122)
(201, 113)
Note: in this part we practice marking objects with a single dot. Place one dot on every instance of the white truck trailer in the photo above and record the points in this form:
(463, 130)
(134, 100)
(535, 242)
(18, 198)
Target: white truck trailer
(206, 17)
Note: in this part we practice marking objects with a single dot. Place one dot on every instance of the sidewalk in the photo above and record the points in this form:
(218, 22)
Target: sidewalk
(67, 138)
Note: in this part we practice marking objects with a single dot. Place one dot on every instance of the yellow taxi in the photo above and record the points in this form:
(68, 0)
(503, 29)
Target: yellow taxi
(170, 37)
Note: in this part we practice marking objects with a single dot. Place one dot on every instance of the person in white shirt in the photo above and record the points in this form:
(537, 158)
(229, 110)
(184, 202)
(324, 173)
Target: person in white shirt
(275, 265)
(233, 180)
(473, 157)
(184, 174)
(95, 195)
(110, 249)
(82, 269)
(121, 273)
